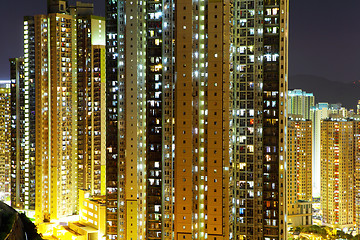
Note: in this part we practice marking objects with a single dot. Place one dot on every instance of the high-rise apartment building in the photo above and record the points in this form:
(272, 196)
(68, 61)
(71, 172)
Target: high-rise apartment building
(23, 124)
(168, 83)
(300, 102)
(66, 49)
(259, 112)
(23, 127)
(56, 116)
(170, 88)
(319, 112)
(126, 195)
(91, 77)
(356, 168)
(299, 171)
(301, 155)
(337, 172)
(5, 140)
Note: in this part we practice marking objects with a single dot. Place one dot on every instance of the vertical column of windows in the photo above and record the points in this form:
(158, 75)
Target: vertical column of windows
(198, 107)
(186, 199)
(247, 81)
(273, 124)
(200, 179)
(168, 121)
(115, 130)
(131, 120)
(119, 101)
(82, 102)
(356, 168)
(97, 93)
(354, 165)
(42, 72)
(141, 116)
(283, 90)
(17, 128)
(154, 119)
(28, 45)
(217, 119)
(31, 68)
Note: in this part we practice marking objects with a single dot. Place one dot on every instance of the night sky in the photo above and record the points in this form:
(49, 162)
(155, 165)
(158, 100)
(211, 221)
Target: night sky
(324, 36)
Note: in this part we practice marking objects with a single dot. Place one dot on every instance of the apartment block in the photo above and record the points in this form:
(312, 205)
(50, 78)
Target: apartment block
(337, 172)
(189, 117)
(299, 171)
(168, 117)
(5, 140)
(319, 112)
(300, 103)
(260, 88)
(91, 77)
(22, 74)
(66, 49)
(22, 171)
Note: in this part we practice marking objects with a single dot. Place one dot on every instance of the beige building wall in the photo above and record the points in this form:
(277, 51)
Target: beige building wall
(202, 122)
(92, 211)
(299, 171)
(337, 172)
(56, 116)
(303, 154)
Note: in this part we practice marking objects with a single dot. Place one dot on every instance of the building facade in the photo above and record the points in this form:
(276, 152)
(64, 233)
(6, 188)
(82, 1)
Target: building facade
(320, 112)
(25, 97)
(337, 172)
(56, 115)
(5, 140)
(300, 155)
(68, 62)
(23, 128)
(299, 171)
(168, 71)
(300, 103)
(91, 76)
(259, 116)
(357, 172)
(172, 78)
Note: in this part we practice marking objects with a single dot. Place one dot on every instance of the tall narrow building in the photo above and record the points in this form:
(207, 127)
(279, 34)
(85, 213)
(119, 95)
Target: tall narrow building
(91, 74)
(5, 138)
(357, 173)
(202, 117)
(300, 103)
(260, 62)
(22, 169)
(337, 172)
(299, 171)
(68, 60)
(168, 103)
(301, 155)
(320, 112)
(56, 116)
(23, 123)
